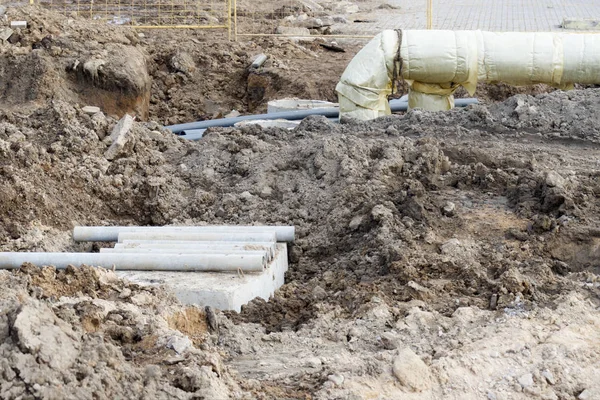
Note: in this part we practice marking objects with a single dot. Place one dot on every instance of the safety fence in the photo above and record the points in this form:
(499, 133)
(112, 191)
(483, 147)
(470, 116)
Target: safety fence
(240, 18)
(150, 14)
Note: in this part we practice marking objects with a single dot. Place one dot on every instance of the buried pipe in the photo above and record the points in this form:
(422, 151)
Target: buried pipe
(111, 233)
(435, 64)
(331, 112)
(143, 262)
(195, 130)
(258, 236)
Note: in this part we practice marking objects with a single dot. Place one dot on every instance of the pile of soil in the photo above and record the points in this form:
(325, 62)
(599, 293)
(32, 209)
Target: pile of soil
(169, 77)
(438, 255)
(440, 212)
(84, 333)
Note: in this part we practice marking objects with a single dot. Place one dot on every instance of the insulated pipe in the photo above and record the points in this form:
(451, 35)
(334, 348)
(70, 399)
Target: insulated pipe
(224, 236)
(436, 63)
(186, 244)
(195, 130)
(143, 262)
(110, 233)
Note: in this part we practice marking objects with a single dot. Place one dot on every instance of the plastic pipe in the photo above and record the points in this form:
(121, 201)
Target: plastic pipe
(197, 134)
(184, 250)
(224, 122)
(143, 262)
(223, 236)
(111, 233)
(187, 244)
(195, 130)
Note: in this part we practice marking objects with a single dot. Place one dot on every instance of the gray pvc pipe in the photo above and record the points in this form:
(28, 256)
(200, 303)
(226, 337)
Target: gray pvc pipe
(224, 247)
(182, 250)
(143, 262)
(197, 134)
(111, 233)
(187, 250)
(223, 236)
(330, 112)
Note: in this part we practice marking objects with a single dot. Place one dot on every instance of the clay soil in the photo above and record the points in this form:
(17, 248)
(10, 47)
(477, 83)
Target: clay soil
(437, 255)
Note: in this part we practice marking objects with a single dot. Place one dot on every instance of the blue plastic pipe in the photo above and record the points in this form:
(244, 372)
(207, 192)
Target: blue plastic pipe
(195, 130)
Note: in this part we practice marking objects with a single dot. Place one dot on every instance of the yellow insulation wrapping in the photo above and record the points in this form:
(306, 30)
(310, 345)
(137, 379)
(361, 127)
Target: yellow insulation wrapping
(436, 63)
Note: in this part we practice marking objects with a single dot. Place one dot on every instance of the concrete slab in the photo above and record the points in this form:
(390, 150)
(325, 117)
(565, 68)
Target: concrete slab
(223, 291)
(581, 24)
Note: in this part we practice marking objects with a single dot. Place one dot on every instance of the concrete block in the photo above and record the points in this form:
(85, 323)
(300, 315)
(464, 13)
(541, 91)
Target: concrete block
(5, 33)
(119, 137)
(223, 291)
(581, 24)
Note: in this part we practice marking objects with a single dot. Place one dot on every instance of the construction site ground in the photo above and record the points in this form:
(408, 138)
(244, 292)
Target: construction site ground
(448, 255)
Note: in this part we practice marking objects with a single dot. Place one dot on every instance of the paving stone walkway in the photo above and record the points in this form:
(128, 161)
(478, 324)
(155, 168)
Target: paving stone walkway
(490, 15)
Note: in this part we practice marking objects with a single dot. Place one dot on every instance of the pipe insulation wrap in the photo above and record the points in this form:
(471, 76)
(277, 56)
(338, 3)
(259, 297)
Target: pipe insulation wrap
(143, 262)
(436, 63)
(111, 233)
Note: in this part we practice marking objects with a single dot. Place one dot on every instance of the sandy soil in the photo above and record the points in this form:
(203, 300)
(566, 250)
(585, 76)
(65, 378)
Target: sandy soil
(438, 256)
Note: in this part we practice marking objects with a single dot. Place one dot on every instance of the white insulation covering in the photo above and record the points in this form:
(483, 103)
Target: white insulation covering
(436, 63)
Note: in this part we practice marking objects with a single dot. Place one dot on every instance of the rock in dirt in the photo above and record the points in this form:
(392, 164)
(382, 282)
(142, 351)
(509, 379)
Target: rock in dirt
(337, 379)
(40, 333)
(179, 343)
(390, 340)
(553, 179)
(313, 362)
(355, 222)
(91, 110)
(5, 34)
(119, 137)
(411, 371)
(549, 376)
(588, 394)
(526, 380)
(449, 209)
(183, 62)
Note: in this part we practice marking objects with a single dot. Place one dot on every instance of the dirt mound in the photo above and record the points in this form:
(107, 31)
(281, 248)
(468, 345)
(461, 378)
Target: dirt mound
(72, 60)
(84, 333)
(376, 205)
(56, 172)
(449, 233)
(169, 77)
